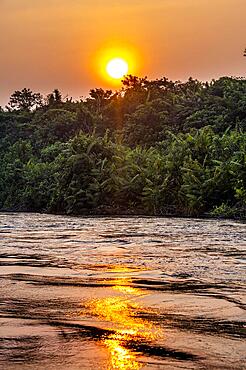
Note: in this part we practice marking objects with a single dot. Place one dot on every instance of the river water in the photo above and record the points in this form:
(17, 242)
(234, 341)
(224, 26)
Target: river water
(121, 293)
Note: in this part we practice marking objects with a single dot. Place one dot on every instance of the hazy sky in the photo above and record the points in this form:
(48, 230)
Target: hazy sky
(47, 44)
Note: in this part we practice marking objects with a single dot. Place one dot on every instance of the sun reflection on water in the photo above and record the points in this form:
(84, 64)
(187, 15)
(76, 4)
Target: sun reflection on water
(122, 315)
(128, 290)
(120, 357)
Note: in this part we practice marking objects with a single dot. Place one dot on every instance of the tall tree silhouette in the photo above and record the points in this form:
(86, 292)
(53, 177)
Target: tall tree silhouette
(24, 100)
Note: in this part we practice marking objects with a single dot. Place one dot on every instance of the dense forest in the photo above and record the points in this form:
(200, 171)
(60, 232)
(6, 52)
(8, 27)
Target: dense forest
(152, 148)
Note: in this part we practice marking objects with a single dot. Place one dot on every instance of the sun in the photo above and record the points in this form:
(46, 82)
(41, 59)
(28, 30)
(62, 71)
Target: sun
(117, 68)
(111, 63)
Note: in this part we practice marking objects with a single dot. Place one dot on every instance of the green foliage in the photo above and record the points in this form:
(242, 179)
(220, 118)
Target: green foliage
(54, 124)
(154, 147)
(223, 211)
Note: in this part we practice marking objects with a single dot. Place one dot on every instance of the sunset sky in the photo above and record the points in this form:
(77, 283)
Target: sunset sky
(62, 44)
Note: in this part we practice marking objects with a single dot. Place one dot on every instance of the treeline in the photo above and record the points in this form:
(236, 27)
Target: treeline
(153, 147)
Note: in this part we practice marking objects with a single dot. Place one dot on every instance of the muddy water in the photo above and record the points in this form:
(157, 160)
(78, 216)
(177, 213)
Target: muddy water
(121, 293)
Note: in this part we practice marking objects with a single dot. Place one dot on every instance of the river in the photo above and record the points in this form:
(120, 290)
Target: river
(121, 293)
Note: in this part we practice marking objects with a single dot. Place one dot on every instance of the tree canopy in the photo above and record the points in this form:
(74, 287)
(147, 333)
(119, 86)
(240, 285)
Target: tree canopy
(154, 147)
(24, 100)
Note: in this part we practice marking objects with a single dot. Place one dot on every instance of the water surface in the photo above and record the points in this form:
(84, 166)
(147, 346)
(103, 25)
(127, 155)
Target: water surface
(121, 293)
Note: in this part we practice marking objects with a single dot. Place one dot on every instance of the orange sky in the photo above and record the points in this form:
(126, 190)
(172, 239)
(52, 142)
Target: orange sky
(51, 44)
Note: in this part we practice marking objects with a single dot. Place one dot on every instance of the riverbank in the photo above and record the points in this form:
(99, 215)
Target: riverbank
(232, 213)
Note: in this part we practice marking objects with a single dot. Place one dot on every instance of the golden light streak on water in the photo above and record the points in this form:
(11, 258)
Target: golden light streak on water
(120, 357)
(129, 290)
(118, 313)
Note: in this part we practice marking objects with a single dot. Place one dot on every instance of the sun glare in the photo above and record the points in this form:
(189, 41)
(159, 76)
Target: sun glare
(117, 68)
(112, 63)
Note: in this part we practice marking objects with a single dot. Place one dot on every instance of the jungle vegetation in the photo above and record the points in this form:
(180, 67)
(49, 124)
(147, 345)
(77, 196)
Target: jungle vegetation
(152, 148)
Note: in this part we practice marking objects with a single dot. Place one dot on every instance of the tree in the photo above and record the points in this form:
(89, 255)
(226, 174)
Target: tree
(55, 98)
(25, 100)
(98, 99)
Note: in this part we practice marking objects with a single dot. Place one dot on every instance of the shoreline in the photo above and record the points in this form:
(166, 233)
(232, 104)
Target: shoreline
(123, 215)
